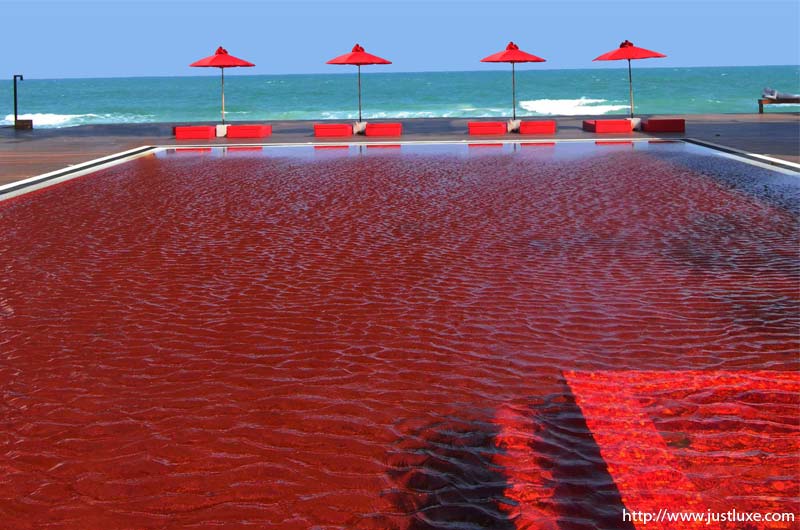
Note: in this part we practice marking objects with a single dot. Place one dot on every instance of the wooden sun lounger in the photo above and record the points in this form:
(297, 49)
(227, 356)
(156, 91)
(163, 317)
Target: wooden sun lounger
(777, 101)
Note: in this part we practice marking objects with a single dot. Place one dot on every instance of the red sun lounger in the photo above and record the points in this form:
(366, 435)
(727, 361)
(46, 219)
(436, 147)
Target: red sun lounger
(195, 132)
(384, 129)
(249, 131)
(607, 126)
(332, 130)
(669, 125)
(538, 127)
(481, 128)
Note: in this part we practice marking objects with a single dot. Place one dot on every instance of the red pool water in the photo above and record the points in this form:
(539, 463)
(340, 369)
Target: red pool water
(399, 339)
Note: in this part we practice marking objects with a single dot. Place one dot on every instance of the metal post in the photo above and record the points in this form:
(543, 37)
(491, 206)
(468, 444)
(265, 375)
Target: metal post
(359, 92)
(513, 92)
(630, 85)
(16, 76)
(223, 95)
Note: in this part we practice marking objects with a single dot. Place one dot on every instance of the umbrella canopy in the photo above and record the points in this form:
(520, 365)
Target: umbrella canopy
(512, 54)
(627, 51)
(221, 59)
(359, 58)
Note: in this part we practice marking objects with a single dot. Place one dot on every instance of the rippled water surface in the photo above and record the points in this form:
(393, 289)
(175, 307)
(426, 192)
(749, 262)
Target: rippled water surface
(440, 337)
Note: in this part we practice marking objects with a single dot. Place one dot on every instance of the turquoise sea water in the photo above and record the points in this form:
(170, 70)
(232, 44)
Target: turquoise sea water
(68, 102)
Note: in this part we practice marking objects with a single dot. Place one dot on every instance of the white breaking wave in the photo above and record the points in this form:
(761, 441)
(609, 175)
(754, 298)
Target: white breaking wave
(570, 107)
(458, 112)
(49, 120)
(46, 120)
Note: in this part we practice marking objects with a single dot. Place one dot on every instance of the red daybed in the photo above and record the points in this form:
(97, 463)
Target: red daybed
(670, 125)
(481, 128)
(195, 132)
(384, 129)
(249, 131)
(330, 130)
(538, 127)
(608, 126)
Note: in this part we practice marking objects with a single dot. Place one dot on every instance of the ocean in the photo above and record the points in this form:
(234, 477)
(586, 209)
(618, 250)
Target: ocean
(70, 102)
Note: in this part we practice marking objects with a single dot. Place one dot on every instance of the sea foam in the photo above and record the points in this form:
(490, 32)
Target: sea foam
(570, 107)
(47, 120)
(50, 120)
(439, 112)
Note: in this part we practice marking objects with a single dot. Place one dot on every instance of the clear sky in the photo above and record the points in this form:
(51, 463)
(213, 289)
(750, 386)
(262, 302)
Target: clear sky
(105, 38)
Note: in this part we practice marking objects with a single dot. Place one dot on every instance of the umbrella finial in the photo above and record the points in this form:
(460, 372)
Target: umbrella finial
(512, 46)
(358, 48)
(626, 44)
(220, 51)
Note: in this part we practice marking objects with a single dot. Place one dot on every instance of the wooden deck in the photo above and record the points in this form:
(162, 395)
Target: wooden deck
(776, 101)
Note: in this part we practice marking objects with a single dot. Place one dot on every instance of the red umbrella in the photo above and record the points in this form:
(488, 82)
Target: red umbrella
(222, 60)
(628, 51)
(358, 57)
(512, 54)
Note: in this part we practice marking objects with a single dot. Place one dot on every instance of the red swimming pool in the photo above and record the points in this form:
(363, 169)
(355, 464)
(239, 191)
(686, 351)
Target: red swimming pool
(431, 337)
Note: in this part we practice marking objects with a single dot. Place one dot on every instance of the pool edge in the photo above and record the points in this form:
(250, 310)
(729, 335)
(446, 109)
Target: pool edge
(37, 182)
(15, 189)
(750, 157)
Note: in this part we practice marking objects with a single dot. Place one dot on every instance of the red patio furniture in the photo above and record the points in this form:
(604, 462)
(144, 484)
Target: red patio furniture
(483, 128)
(537, 127)
(384, 129)
(669, 125)
(608, 126)
(333, 130)
(249, 131)
(195, 132)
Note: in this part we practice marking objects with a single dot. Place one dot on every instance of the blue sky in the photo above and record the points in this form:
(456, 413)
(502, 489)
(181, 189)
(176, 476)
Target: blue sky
(112, 38)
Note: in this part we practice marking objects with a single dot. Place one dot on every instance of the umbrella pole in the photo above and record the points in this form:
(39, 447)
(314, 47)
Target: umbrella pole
(630, 85)
(223, 95)
(513, 92)
(359, 92)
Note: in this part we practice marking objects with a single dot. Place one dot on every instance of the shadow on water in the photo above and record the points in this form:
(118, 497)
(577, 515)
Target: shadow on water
(584, 493)
(447, 476)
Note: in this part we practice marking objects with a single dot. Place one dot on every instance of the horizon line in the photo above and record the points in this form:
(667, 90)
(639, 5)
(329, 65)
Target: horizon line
(487, 70)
